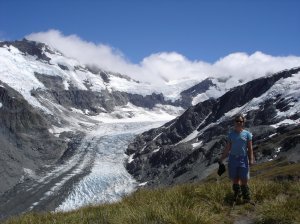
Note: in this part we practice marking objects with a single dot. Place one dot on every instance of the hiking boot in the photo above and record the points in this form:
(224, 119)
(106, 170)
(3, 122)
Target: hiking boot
(246, 193)
(237, 191)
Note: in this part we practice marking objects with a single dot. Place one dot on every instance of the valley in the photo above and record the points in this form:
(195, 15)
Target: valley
(94, 174)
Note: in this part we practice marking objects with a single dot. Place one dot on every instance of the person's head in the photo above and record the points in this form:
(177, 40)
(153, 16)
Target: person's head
(239, 121)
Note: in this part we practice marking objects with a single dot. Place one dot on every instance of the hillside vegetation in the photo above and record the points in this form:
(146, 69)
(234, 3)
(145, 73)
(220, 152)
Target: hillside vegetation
(275, 189)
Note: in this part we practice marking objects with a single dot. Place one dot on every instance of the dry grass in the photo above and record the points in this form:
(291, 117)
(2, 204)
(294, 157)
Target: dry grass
(205, 202)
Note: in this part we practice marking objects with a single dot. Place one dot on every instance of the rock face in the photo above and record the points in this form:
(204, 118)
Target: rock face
(185, 149)
(24, 138)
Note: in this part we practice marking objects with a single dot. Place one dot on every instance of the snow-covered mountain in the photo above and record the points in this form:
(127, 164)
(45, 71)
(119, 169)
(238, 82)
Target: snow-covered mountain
(47, 80)
(45, 95)
(33, 69)
(186, 148)
(58, 118)
(49, 105)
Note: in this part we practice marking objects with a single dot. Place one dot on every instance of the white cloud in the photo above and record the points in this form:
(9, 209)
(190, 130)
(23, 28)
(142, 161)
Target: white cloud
(165, 66)
(244, 66)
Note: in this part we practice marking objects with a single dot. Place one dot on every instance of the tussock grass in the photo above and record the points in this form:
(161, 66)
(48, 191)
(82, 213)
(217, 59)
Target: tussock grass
(276, 168)
(204, 202)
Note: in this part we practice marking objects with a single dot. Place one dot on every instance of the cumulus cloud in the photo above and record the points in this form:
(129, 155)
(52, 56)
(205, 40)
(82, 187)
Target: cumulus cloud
(166, 66)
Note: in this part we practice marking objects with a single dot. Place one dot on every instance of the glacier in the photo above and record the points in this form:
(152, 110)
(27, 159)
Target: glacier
(108, 180)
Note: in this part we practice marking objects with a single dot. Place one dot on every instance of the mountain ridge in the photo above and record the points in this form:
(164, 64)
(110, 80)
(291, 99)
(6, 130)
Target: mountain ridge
(185, 148)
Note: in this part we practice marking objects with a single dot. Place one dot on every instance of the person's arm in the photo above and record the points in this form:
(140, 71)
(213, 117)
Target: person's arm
(225, 152)
(250, 153)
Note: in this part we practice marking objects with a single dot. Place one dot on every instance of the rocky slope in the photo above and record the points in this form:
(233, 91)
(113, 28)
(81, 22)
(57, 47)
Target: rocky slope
(186, 148)
(26, 143)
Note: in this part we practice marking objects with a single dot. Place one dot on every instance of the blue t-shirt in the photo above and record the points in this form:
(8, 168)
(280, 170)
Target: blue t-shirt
(239, 142)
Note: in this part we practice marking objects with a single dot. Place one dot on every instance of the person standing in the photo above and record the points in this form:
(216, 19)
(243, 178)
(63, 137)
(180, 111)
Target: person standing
(240, 151)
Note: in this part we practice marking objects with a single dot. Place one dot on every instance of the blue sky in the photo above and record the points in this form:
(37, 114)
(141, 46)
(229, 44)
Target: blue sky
(199, 30)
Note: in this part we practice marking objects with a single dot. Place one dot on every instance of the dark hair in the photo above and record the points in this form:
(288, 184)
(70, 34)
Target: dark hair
(240, 116)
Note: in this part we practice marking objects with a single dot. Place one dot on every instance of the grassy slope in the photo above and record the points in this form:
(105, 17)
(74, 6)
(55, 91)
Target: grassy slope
(206, 202)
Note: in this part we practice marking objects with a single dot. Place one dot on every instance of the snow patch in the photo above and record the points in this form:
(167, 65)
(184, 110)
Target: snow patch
(272, 135)
(157, 136)
(56, 131)
(131, 113)
(195, 133)
(130, 159)
(169, 125)
(156, 150)
(13, 50)
(285, 122)
(143, 184)
(197, 145)
(277, 150)
(199, 98)
(76, 110)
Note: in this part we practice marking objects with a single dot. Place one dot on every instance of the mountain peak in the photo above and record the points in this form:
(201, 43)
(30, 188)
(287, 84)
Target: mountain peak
(32, 48)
